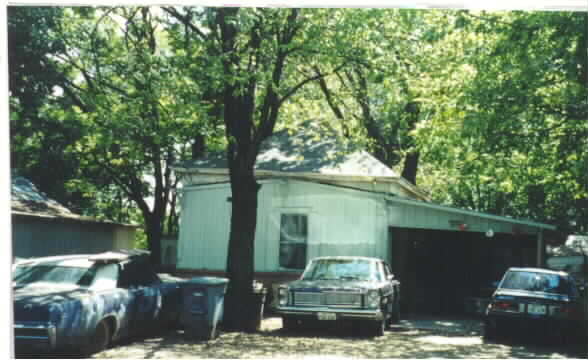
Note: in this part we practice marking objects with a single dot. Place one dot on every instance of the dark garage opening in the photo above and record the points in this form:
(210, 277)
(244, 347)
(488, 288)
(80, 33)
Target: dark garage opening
(439, 269)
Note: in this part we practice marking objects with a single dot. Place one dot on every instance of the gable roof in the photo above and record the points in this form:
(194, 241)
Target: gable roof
(319, 151)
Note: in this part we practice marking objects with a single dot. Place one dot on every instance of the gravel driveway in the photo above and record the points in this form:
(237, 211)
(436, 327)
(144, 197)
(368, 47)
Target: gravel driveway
(415, 338)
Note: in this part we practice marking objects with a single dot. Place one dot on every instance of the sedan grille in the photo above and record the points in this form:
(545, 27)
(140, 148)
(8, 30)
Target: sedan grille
(31, 333)
(303, 298)
(328, 299)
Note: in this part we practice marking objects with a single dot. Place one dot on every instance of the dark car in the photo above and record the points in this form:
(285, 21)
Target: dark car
(83, 302)
(532, 300)
(342, 288)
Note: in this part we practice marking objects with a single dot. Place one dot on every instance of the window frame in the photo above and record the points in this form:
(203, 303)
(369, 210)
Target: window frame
(295, 212)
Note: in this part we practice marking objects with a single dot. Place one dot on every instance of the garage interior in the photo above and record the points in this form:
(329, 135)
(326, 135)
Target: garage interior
(440, 269)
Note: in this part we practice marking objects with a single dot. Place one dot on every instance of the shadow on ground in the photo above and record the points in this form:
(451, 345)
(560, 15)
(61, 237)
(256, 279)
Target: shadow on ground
(336, 342)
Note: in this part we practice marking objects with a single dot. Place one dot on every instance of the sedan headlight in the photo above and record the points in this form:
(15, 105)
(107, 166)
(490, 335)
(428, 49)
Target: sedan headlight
(283, 296)
(372, 299)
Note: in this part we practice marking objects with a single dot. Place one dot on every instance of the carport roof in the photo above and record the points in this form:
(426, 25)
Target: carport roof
(446, 208)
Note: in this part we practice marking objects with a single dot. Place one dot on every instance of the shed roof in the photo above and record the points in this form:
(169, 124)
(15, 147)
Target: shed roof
(27, 200)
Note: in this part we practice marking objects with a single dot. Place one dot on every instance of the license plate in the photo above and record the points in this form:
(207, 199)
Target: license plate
(535, 309)
(326, 316)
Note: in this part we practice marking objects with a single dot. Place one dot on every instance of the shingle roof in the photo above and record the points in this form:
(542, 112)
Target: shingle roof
(319, 151)
(26, 198)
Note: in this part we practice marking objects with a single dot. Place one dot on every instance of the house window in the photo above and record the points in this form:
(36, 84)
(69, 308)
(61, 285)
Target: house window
(293, 240)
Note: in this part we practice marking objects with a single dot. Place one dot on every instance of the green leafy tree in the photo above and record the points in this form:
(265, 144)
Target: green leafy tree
(38, 141)
(515, 143)
(132, 110)
(255, 60)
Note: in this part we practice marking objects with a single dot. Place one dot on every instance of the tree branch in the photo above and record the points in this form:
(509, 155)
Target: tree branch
(185, 20)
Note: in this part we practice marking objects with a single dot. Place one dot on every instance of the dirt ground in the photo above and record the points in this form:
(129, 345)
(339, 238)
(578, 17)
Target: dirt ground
(404, 341)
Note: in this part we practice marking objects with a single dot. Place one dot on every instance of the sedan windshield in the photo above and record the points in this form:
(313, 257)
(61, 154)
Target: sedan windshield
(342, 269)
(535, 281)
(64, 275)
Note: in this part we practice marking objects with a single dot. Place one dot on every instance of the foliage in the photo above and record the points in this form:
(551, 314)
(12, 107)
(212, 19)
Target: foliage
(514, 144)
(38, 141)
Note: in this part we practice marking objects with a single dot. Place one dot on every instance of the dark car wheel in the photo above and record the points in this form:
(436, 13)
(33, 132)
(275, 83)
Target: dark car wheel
(490, 331)
(99, 340)
(395, 316)
(378, 327)
(290, 323)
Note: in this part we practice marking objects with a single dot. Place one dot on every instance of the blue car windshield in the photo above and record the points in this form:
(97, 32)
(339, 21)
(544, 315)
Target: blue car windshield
(65, 275)
(342, 269)
(536, 281)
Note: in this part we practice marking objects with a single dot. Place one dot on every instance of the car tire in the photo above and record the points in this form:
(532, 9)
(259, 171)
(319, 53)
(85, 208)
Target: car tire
(377, 328)
(99, 340)
(490, 332)
(290, 323)
(395, 316)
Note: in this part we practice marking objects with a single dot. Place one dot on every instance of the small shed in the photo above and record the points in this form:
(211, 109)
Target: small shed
(43, 227)
(321, 197)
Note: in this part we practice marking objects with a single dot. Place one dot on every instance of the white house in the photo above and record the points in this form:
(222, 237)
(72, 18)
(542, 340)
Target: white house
(320, 196)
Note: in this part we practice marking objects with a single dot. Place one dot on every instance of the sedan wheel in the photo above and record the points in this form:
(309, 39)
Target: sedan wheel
(99, 340)
(490, 332)
(378, 327)
(290, 323)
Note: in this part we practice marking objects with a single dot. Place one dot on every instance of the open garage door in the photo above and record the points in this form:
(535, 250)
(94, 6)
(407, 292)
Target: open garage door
(439, 269)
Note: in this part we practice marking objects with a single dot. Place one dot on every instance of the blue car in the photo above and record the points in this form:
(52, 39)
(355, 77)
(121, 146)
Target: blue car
(536, 301)
(84, 302)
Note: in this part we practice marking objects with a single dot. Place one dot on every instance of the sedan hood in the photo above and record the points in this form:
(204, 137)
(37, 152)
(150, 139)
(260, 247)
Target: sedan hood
(36, 302)
(506, 293)
(332, 285)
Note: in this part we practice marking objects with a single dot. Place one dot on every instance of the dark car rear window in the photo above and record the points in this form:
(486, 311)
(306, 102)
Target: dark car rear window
(536, 281)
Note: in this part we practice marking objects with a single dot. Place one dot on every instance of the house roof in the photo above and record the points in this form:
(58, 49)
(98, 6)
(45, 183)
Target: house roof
(27, 200)
(319, 151)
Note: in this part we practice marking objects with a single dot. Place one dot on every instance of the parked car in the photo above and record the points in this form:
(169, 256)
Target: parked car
(342, 288)
(532, 299)
(83, 302)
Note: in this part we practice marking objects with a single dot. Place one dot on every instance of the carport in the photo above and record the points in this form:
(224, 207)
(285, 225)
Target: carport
(444, 255)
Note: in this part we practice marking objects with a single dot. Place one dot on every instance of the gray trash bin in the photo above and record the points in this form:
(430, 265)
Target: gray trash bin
(202, 306)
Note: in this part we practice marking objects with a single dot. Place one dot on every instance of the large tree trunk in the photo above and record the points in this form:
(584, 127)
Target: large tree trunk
(240, 258)
(154, 231)
(411, 165)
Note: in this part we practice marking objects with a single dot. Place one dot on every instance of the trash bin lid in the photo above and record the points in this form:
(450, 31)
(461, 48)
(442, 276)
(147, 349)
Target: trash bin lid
(208, 280)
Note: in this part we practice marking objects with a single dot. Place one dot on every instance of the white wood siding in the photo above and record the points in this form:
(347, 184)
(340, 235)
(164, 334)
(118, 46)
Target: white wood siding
(340, 222)
(204, 228)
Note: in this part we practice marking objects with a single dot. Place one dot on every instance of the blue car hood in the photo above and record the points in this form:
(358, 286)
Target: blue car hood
(37, 302)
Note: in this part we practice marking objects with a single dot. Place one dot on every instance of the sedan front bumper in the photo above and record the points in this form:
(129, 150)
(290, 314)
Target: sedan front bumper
(341, 313)
(35, 336)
